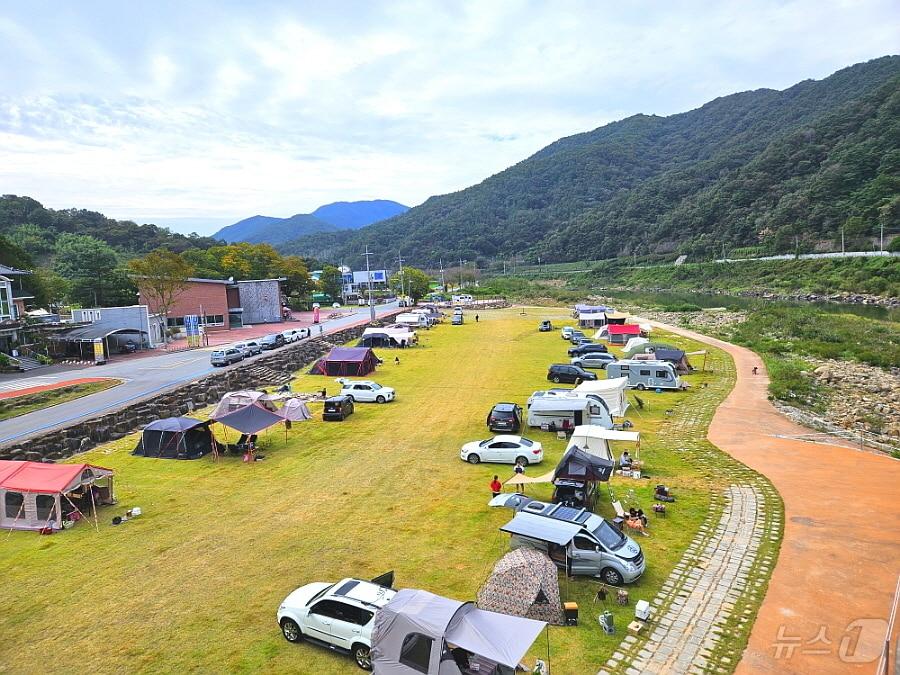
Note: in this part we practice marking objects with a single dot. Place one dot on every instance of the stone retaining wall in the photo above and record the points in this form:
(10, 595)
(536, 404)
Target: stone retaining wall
(180, 400)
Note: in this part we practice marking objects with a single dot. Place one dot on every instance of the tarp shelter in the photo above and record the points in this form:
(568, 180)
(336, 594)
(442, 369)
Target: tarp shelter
(35, 495)
(595, 440)
(591, 319)
(295, 410)
(620, 333)
(576, 464)
(524, 583)
(592, 309)
(676, 357)
(235, 400)
(250, 419)
(611, 391)
(647, 348)
(418, 632)
(614, 317)
(176, 438)
(356, 361)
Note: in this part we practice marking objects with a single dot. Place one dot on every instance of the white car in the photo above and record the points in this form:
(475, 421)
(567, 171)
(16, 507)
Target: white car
(294, 334)
(366, 391)
(339, 615)
(566, 332)
(503, 450)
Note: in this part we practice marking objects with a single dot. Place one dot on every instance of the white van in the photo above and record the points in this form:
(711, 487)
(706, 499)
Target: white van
(567, 412)
(646, 374)
(411, 319)
(462, 299)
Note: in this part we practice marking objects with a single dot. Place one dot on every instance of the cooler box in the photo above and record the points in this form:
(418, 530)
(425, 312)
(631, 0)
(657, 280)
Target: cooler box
(570, 610)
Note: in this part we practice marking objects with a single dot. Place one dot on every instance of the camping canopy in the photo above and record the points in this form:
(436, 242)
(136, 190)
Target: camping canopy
(357, 361)
(577, 464)
(524, 583)
(175, 438)
(250, 419)
(594, 439)
(413, 632)
(235, 400)
(611, 391)
(592, 309)
(624, 329)
(647, 347)
(295, 410)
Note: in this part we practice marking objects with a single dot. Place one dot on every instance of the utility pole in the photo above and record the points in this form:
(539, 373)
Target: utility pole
(882, 236)
(842, 240)
(369, 278)
(723, 251)
(460, 272)
(443, 284)
(400, 260)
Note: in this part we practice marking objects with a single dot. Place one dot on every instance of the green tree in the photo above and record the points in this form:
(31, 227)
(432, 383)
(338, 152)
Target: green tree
(37, 240)
(415, 283)
(92, 267)
(161, 276)
(49, 287)
(330, 282)
(298, 282)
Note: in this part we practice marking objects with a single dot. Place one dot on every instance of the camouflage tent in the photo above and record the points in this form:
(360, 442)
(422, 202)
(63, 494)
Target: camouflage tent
(524, 583)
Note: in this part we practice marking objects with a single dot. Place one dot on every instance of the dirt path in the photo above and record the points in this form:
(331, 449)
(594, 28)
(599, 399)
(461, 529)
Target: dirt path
(831, 590)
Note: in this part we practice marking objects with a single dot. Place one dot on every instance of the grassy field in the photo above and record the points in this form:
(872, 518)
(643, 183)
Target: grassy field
(194, 583)
(19, 405)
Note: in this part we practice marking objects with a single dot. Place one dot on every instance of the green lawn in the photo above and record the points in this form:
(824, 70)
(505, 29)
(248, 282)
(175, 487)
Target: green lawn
(19, 405)
(194, 583)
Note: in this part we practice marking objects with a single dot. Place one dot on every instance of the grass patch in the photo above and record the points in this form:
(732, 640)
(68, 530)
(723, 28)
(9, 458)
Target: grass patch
(20, 405)
(195, 582)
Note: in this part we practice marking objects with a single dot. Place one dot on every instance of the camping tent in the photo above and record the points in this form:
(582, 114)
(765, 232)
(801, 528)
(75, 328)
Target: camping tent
(676, 357)
(295, 410)
(250, 419)
(603, 333)
(525, 583)
(176, 438)
(611, 391)
(577, 464)
(614, 317)
(377, 340)
(235, 400)
(634, 342)
(646, 348)
(356, 361)
(419, 632)
(595, 440)
(619, 334)
(34, 494)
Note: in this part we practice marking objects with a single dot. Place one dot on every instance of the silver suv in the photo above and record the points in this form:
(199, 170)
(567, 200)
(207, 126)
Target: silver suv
(225, 357)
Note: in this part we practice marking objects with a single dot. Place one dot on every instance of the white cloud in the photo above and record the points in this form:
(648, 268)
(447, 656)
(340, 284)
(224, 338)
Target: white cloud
(221, 111)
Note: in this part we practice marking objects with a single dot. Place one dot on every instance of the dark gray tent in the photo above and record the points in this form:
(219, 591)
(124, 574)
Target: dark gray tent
(577, 464)
(176, 438)
(250, 419)
(377, 340)
(676, 357)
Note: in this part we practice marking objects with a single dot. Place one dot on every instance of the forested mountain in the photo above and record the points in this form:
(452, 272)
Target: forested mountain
(327, 218)
(756, 168)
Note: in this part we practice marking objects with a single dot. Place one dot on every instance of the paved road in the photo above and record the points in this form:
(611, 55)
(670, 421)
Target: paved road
(142, 378)
(831, 590)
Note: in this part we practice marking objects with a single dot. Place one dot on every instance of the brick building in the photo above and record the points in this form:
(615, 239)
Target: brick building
(203, 297)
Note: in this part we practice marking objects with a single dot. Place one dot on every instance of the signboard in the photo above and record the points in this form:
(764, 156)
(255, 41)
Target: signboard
(192, 329)
(99, 354)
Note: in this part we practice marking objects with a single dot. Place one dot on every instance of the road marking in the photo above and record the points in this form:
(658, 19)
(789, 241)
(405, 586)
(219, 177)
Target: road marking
(28, 382)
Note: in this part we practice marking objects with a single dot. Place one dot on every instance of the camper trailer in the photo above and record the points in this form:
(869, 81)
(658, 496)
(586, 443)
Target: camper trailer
(567, 412)
(646, 374)
(410, 319)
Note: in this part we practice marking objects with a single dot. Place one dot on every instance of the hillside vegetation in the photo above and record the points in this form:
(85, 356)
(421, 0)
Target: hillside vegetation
(761, 168)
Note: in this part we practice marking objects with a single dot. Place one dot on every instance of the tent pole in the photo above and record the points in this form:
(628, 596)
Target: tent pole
(19, 513)
(94, 506)
(547, 629)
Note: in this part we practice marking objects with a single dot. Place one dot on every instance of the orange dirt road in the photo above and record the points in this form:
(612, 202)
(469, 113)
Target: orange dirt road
(840, 556)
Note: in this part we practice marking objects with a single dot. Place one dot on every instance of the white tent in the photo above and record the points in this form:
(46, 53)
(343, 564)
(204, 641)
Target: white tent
(634, 342)
(611, 391)
(235, 400)
(595, 440)
(295, 410)
(602, 333)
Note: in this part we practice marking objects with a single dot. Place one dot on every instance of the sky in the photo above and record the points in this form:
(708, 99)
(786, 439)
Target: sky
(198, 114)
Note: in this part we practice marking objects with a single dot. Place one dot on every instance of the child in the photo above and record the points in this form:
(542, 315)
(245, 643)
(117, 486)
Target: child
(496, 486)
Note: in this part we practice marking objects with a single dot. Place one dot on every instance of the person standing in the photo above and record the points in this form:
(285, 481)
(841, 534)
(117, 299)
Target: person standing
(496, 486)
(520, 471)
(476, 318)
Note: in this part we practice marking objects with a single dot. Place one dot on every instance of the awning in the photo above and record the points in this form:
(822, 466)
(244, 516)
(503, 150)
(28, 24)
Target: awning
(593, 431)
(542, 528)
(500, 638)
(46, 477)
(522, 479)
(93, 331)
(250, 419)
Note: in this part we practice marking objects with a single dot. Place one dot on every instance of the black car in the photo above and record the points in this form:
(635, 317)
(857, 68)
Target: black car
(545, 326)
(563, 372)
(272, 341)
(577, 336)
(587, 347)
(338, 408)
(505, 417)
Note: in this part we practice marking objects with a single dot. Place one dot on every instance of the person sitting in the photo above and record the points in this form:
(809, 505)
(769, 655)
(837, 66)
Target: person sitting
(642, 517)
(625, 460)
(634, 522)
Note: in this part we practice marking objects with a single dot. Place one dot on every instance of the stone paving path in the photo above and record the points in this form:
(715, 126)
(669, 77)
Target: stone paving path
(713, 591)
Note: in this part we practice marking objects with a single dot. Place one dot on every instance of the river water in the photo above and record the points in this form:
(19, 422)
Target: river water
(735, 302)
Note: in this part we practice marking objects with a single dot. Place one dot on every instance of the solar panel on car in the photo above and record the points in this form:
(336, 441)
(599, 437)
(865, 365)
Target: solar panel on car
(346, 588)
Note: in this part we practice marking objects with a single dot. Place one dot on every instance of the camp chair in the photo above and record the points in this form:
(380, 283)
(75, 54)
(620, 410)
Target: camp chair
(619, 520)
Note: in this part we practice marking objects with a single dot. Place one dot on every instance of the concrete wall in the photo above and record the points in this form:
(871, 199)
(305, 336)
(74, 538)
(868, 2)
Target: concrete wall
(271, 370)
(261, 301)
(135, 317)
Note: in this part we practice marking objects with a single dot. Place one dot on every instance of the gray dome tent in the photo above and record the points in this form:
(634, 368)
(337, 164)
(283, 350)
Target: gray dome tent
(175, 438)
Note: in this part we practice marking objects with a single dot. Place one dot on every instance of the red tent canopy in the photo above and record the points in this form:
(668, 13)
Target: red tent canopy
(45, 478)
(624, 329)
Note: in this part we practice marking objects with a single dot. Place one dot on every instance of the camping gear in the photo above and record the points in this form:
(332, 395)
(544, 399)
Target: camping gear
(576, 464)
(524, 583)
(355, 361)
(250, 419)
(661, 494)
(295, 410)
(176, 438)
(412, 633)
(571, 613)
(642, 610)
(659, 509)
(607, 623)
(622, 597)
(37, 495)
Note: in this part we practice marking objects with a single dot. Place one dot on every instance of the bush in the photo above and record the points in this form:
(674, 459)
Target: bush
(682, 307)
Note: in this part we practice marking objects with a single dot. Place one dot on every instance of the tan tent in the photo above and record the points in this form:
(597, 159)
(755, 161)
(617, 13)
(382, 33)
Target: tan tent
(524, 583)
(235, 400)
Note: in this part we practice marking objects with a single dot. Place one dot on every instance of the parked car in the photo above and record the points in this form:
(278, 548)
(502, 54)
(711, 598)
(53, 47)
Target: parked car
(457, 320)
(594, 360)
(248, 347)
(505, 417)
(225, 357)
(566, 332)
(503, 450)
(545, 327)
(577, 336)
(586, 348)
(294, 334)
(337, 408)
(272, 341)
(339, 615)
(366, 391)
(566, 372)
